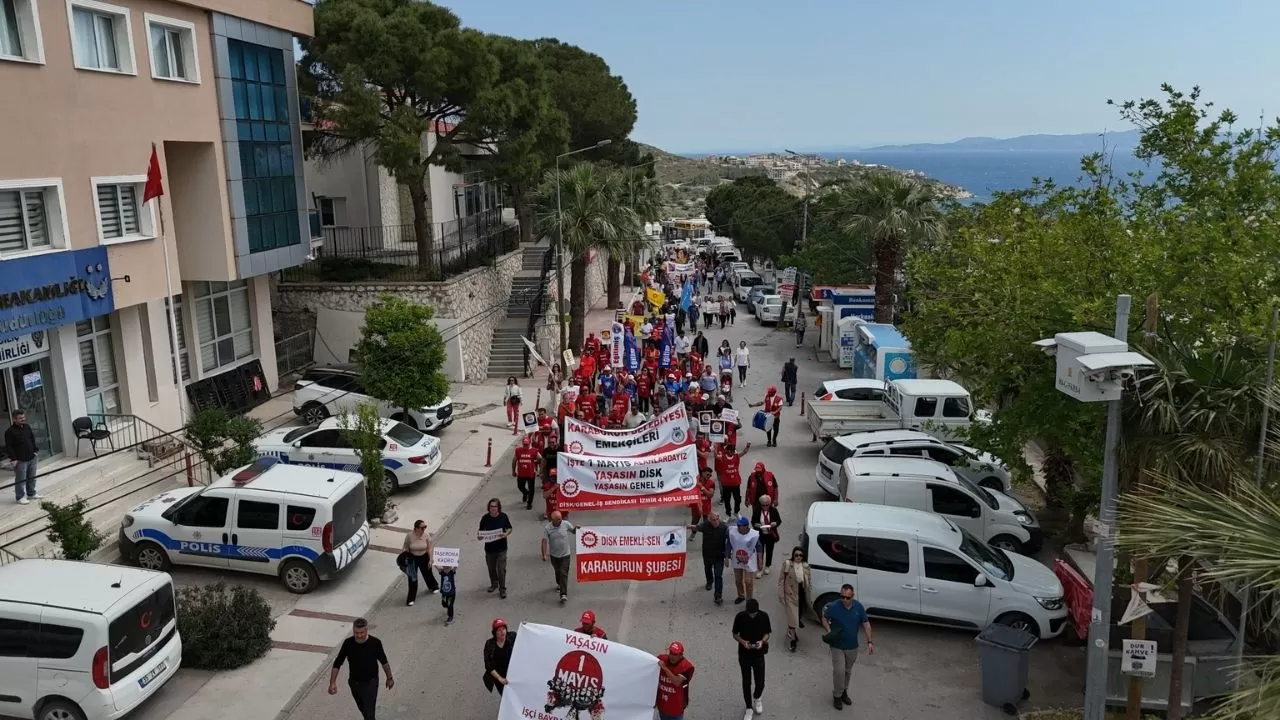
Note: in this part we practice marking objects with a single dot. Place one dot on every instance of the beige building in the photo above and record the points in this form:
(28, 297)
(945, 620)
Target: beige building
(86, 266)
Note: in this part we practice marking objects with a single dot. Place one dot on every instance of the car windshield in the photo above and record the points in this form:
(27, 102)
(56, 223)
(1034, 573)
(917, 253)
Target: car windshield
(980, 491)
(404, 434)
(993, 561)
(296, 433)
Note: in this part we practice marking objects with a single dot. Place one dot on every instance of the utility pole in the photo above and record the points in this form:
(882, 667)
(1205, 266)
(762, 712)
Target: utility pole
(1138, 631)
(1095, 696)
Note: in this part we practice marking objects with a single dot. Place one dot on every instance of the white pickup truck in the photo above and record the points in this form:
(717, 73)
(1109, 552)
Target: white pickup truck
(937, 407)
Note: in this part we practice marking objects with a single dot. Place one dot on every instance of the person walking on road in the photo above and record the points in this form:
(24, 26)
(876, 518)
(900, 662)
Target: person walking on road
(724, 312)
(365, 654)
(743, 545)
(728, 462)
(715, 543)
(794, 589)
(417, 543)
(497, 655)
(448, 590)
(789, 380)
(589, 626)
(20, 444)
(524, 465)
(511, 398)
(772, 403)
(495, 528)
(751, 629)
(742, 357)
(842, 619)
(557, 545)
(674, 674)
(801, 324)
(766, 520)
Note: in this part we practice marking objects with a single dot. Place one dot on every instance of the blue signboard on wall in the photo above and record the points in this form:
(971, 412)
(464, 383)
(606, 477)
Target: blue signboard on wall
(41, 292)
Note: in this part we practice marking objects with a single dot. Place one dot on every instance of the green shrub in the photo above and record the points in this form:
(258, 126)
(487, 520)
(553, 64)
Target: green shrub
(71, 530)
(223, 627)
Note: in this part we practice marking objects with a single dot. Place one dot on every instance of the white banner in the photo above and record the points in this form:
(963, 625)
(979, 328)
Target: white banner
(445, 557)
(675, 268)
(533, 351)
(559, 674)
(630, 553)
(668, 431)
(593, 482)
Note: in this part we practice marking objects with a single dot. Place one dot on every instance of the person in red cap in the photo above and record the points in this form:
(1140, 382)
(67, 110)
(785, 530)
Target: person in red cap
(773, 408)
(761, 482)
(549, 487)
(591, 345)
(727, 462)
(497, 655)
(524, 465)
(706, 495)
(674, 674)
(589, 626)
(588, 365)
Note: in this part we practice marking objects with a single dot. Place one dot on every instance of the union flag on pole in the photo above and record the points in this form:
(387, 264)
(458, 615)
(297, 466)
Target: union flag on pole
(155, 187)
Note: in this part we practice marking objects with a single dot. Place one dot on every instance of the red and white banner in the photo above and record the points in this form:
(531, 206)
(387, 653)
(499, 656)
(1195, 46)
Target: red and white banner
(592, 482)
(667, 431)
(630, 553)
(616, 333)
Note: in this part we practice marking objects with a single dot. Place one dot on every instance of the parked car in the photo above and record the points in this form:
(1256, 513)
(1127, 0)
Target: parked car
(333, 389)
(920, 567)
(408, 456)
(742, 282)
(757, 292)
(770, 309)
(921, 484)
(978, 467)
(851, 390)
(301, 524)
(84, 641)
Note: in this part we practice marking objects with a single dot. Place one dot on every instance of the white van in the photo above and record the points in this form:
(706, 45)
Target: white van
(742, 282)
(978, 467)
(920, 567)
(303, 524)
(83, 641)
(922, 484)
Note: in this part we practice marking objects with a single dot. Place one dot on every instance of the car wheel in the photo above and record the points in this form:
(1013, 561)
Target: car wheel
(314, 413)
(1008, 543)
(150, 556)
(992, 483)
(60, 710)
(1019, 621)
(299, 577)
(392, 483)
(822, 602)
(406, 419)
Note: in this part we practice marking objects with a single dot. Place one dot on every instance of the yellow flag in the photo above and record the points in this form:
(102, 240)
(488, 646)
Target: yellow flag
(655, 297)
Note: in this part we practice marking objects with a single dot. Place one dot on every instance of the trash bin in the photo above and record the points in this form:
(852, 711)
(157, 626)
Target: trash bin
(1005, 660)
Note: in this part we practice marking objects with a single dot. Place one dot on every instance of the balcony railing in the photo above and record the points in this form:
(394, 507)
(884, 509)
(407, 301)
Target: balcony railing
(390, 252)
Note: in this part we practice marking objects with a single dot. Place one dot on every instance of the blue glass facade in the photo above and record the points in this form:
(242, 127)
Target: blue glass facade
(261, 95)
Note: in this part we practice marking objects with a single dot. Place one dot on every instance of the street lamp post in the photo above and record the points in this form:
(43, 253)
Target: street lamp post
(560, 298)
(804, 222)
(1092, 367)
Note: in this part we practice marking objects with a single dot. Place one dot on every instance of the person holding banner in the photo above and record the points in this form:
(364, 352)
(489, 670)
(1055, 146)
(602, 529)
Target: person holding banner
(675, 673)
(589, 626)
(448, 590)
(497, 655)
(495, 528)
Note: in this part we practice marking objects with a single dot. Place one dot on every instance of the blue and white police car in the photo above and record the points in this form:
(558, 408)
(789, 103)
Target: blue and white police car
(302, 524)
(408, 456)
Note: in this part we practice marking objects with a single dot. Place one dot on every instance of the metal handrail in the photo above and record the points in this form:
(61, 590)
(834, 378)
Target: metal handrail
(7, 557)
(537, 308)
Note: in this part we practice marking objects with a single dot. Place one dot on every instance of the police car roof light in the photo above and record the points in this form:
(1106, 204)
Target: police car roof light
(254, 471)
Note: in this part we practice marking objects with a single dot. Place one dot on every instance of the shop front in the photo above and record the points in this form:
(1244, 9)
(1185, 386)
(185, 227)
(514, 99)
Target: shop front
(41, 297)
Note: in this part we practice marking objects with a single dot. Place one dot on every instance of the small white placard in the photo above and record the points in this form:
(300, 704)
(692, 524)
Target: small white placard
(445, 557)
(1138, 658)
(488, 536)
(729, 416)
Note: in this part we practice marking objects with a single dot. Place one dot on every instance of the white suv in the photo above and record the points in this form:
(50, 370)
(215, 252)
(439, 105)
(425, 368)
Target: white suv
(916, 566)
(977, 467)
(333, 389)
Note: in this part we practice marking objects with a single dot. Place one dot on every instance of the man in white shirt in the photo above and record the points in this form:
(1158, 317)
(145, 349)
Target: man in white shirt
(741, 557)
(634, 419)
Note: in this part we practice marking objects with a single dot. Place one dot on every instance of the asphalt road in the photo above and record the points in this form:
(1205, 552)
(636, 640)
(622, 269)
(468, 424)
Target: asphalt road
(917, 672)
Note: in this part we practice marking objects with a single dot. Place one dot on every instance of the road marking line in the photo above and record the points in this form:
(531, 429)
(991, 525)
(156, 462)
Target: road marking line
(633, 588)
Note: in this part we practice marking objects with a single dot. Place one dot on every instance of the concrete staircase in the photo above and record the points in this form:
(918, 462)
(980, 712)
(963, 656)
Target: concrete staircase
(507, 357)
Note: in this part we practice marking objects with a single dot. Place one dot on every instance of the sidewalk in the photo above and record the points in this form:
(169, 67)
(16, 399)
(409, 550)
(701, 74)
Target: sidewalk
(309, 628)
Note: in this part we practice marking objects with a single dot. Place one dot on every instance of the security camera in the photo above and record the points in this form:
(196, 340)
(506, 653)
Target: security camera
(1048, 346)
(1125, 374)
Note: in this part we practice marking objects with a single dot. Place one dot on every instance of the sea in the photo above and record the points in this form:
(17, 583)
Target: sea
(984, 172)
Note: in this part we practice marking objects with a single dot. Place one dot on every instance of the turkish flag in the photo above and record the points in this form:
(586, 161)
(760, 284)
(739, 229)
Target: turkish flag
(155, 187)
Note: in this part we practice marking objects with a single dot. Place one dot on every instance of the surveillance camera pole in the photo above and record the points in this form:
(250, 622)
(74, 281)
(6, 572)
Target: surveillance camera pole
(1095, 694)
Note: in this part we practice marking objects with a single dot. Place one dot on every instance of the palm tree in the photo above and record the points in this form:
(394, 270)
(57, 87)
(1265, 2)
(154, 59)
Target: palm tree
(1237, 536)
(891, 210)
(644, 197)
(592, 215)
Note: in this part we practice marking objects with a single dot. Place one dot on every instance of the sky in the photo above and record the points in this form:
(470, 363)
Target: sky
(750, 75)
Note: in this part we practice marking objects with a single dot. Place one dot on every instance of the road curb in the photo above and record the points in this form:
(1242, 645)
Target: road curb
(394, 587)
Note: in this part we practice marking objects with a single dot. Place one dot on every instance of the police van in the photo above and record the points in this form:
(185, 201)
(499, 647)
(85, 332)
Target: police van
(302, 524)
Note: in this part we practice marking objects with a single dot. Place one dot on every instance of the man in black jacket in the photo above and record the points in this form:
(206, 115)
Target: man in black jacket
(789, 380)
(714, 541)
(20, 444)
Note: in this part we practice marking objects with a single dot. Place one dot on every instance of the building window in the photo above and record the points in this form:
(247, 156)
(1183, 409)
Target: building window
(265, 136)
(102, 38)
(31, 216)
(224, 323)
(122, 216)
(181, 358)
(20, 31)
(173, 49)
(98, 364)
(333, 212)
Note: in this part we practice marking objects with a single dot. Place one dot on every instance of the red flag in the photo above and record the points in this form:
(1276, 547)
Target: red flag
(155, 188)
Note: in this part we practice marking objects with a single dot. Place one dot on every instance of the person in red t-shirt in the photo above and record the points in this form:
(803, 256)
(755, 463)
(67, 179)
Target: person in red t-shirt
(761, 482)
(524, 465)
(728, 459)
(706, 495)
(603, 356)
(621, 404)
(591, 344)
(772, 406)
(587, 407)
(644, 390)
(675, 672)
(549, 487)
(544, 420)
(587, 365)
(637, 308)
(589, 626)
(705, 451)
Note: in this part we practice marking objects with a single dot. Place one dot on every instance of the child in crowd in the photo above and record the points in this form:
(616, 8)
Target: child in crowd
(448, 590)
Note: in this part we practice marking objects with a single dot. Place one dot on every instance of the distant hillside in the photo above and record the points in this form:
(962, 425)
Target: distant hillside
(1080, 143)
(686, 181)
